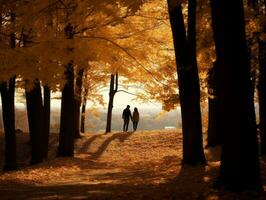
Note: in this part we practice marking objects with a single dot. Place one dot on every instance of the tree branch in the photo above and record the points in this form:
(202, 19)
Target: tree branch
(125, 51)
(127, 92)
(116, 82)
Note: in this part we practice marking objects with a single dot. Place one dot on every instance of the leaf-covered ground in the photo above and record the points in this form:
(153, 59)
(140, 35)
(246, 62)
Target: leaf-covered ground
(139, 165)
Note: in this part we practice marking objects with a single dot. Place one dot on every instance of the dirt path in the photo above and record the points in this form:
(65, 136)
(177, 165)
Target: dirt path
(140, 165)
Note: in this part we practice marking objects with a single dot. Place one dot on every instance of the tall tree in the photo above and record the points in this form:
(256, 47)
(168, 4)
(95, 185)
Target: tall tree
(262, 95)
(239, 168)
(262, 90)
(112, 92)
(47, 92)
(83, 111)
(47, 112)
(214, 131)
(78, 90)
(36, 122)
(35, 111)
(188, 80)
(67, 127)
(8, 110)
(7, 90)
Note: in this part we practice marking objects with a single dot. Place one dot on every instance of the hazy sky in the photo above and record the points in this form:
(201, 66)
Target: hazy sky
(121, 100)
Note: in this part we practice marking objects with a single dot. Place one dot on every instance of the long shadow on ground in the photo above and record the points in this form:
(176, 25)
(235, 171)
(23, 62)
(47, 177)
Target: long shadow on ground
(189, 184)
(121, 136)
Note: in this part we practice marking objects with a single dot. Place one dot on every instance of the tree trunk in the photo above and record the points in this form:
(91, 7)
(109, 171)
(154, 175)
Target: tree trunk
(47, 111)
(77, 99)
(109, 113)
(83, 112)
(213, 138)
(112, 92)
(83, 118)
(8, 108)
(214, 133)
(76, 118)
(8, 111)
(36, 122)
(239, 168)
(188, 80)
(262, 95)
(67, 119)
(67, 127)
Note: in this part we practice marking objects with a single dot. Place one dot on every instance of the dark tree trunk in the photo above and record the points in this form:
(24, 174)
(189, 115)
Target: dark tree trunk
(47, 99)
(36, 122)
(83, 111)
(47, 111)
(67, 127)
(188, 80)
(67, 119)
(8, 111)
(30, 120)
(78, 90)
(262, 95)
(239, 168)
(83, 118)
(262, 92)
(214, 133)
(112, 92)
(77, 118)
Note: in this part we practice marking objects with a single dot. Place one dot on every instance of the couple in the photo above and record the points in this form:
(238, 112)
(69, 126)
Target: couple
(127, 116)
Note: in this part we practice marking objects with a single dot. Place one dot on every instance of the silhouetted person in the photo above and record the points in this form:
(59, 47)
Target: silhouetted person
(126, 116)
(135, 119)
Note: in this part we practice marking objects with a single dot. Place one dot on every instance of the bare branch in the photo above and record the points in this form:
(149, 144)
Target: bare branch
(125, 51)
(127, 92)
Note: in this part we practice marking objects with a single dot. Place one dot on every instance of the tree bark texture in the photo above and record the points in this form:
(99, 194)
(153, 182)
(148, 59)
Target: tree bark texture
(47, 112)
(67, 119)
(36, 122)
(112, 92)
(188, 81)
(8, 112)
(239, 168)
(77, 100)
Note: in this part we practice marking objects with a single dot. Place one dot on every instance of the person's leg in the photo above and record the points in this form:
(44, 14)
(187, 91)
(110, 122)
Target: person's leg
(136, 126)
(124, 126)
(127, 124)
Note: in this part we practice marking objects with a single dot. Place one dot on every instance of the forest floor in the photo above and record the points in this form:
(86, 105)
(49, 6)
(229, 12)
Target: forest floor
(140, 165)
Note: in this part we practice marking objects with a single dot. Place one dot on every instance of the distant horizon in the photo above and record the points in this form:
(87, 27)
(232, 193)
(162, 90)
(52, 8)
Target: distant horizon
(104, 109)
(150, 119)
(121, 100)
